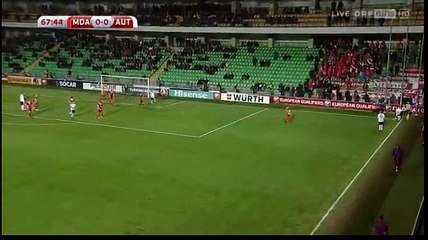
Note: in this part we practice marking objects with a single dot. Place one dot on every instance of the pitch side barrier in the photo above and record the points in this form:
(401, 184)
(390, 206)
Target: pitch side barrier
(335, 104)
(209, 95)
(310, 102)
(133, 89)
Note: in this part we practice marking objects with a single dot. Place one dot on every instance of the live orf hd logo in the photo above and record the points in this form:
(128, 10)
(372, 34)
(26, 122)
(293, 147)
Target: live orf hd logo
(403, 13)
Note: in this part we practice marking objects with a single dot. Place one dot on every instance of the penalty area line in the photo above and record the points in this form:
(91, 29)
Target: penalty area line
(118, 103)
(170, 104)
(353, 179)
(338, 114)
(106, 125)
(229, 124)
(37, 124)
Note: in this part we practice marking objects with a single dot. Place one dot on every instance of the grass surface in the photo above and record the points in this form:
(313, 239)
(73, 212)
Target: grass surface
(129, 174)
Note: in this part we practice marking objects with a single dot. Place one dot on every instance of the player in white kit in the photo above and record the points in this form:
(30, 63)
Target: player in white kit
(22, 101)
(398, 114)
(381, 120)
(72, 106)
(152, 97)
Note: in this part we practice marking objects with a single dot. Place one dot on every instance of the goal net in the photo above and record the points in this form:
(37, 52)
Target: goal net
(125, 84)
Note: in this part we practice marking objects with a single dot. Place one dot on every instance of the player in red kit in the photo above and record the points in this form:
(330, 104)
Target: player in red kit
(112, 96)
(29, 107)
(36, 103)
(100, 109)
(289, 115)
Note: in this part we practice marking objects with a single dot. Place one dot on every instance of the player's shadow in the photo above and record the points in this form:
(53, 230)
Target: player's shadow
(392, 173)
(81, 111)
(41, 110)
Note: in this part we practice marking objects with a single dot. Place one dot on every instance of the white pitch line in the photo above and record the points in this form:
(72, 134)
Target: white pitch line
(236, 121)
(353, 179)
(417, 216)
(171, 104)
(106, 125)
(38, 124)
(118, 103)
(339, 114)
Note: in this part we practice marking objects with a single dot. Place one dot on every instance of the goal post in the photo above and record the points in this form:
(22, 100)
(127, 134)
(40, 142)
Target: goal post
(137, 84)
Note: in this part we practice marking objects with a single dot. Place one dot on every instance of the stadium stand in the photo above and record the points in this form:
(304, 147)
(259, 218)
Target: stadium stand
(251, 66)
(22, 52)
(90, 56)
(242, 66)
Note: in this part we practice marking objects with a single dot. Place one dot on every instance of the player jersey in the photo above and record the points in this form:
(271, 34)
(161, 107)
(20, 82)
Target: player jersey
(99, 106)
(398, 112)
(152, 95)
(21, 98)
(72, 103)
(288, 112)
(381, 117)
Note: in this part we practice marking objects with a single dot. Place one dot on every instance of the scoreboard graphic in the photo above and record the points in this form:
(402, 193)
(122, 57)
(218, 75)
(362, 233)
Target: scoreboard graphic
(87, 22)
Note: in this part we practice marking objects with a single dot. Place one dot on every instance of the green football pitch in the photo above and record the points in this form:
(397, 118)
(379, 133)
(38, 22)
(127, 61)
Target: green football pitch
(175, 167)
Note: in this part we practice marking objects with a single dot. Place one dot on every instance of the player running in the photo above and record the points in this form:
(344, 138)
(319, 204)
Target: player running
(100, 109)
(141, 100)
(72, 106)
(288, 114)
(398, 114)
(29, 107)
(381, 120)
(36, 103)
(112, 96)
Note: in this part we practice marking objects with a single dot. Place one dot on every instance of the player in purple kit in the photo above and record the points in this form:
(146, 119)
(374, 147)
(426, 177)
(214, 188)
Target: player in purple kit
(398, 157)
(381, 227)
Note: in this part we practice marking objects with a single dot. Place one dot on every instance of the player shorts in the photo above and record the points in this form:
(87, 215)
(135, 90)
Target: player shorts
(381, 123)
(72, 110)
(21, 103)
(99, 110)
(397, 161)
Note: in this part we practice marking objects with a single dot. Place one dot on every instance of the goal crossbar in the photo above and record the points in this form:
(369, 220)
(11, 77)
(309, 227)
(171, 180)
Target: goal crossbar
(125, 77)
(141, 81)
